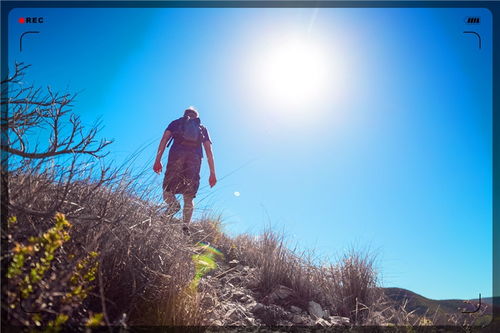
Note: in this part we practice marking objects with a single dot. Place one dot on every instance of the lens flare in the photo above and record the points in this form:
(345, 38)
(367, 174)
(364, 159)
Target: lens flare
(206, 247)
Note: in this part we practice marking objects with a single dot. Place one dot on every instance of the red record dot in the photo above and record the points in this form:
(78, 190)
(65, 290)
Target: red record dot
(21, 20)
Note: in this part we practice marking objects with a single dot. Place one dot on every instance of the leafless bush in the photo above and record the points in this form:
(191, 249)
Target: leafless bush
(46, 151)
(31, 109)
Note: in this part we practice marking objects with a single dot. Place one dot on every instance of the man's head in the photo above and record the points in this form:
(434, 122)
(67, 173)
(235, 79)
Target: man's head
(191, 112)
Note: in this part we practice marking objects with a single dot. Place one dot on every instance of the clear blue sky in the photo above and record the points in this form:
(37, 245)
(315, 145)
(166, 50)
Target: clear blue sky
(365, 127)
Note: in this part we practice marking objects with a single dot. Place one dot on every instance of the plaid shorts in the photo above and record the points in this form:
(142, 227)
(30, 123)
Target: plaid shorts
(183, 173)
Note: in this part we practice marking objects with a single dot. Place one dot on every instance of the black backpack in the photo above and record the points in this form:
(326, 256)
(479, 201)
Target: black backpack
(189, 133)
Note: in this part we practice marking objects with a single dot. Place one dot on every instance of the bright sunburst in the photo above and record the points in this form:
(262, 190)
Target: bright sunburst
(293, 73)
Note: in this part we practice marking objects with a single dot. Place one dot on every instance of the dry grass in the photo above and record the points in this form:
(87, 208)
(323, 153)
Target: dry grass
(145, 261)
(353, 284)
(346, 288)
(146, 264)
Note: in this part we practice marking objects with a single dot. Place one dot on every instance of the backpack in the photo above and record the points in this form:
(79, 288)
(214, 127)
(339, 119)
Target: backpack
(189, 133)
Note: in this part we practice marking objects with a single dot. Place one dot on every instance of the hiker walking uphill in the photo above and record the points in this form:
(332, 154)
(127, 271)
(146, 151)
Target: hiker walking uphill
(184, 161)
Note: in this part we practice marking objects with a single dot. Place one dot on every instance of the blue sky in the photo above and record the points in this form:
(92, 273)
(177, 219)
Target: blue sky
(364, 127)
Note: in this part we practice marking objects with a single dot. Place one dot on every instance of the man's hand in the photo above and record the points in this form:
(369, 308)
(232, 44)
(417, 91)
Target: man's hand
(212, 180)
(161, 148)
(157, 167)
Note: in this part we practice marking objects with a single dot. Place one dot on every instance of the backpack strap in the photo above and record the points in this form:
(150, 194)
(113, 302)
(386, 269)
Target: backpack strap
(202, 131)
(170, 141)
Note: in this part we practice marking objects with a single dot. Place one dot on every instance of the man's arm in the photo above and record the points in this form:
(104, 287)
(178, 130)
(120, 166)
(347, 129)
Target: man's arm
(212, 180)
(161, 148)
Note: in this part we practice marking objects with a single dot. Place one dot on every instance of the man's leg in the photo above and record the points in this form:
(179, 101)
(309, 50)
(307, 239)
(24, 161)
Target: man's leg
(192, 182)
(171, 183)
(188, 208)
(173, 205)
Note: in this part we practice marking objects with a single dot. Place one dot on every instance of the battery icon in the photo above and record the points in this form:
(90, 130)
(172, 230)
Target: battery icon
(473, 20)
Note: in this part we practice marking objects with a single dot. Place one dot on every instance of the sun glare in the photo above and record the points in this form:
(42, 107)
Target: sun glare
(293, 73)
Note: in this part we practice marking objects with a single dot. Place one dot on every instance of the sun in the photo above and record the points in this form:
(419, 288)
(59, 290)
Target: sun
(293, 73)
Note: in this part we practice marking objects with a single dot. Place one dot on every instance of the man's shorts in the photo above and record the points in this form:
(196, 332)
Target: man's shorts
(183, 173)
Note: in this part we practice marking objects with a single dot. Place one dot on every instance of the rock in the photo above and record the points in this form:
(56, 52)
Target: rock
(307, 320)
(208, 302)
(250, 321)
(217, 323)
(235, 279)
(269, 299)
(322, 322)
(250, 306)
(238, 296)
(235, 315)
(295, 309)
(230, 313)
(338, 320)
(257, 307)
(249, 299)
(233, 263)
(271, 315)
(315, 309)
(281, 292)
(297, 319)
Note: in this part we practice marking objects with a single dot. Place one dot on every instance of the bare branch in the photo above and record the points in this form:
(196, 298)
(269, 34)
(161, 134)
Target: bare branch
(36, 155)
(31, 109)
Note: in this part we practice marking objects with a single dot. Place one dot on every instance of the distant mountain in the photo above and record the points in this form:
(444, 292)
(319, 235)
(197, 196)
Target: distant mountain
(429, 307)
(488, 300)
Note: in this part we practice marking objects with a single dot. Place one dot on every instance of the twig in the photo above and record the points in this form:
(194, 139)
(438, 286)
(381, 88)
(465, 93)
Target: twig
(225, 272)
(103, 301)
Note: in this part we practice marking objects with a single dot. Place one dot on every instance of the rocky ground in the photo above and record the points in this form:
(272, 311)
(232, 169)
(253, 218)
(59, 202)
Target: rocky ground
(237, 303)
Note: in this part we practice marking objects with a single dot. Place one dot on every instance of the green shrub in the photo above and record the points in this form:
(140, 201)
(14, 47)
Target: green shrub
(39, 272)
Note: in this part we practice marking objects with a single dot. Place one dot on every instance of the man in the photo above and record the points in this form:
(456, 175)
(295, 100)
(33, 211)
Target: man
(184, 161)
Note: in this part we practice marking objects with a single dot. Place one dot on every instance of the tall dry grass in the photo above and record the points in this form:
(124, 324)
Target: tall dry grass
(145, 262)
(346, 288)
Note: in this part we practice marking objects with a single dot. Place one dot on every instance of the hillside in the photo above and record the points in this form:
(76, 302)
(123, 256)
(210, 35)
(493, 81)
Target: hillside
(150, 274)
(439, 309)
(141, 270)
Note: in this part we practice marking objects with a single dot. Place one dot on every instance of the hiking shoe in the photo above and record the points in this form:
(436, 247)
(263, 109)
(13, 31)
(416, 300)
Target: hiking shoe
(185, 230)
